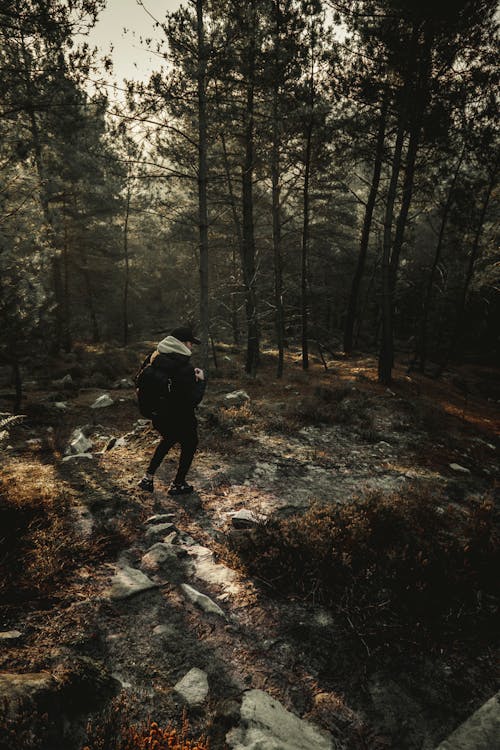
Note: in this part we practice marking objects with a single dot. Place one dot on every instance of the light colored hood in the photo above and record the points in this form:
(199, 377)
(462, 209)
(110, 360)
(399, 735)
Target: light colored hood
(171, 344)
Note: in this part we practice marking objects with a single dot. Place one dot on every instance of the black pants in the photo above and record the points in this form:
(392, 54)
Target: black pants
(187, 437)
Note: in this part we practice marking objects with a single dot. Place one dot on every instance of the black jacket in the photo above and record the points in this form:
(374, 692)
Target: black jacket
(186, 393)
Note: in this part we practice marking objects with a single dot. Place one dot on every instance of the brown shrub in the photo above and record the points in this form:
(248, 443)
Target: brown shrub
(405, 565)
(38, 543)
(114, 731)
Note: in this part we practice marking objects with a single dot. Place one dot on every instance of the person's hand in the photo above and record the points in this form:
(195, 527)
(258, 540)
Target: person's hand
(199, 374)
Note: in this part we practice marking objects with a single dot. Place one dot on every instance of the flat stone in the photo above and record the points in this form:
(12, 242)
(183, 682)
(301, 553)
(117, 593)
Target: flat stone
(77, 456)
(128, 582)
(201, 600)
(213, 573)
(158, 554)
(18, 688)
(236, 398)
(102, 401)
(79, 443)
(10, 635)
(266, 724)
(244, 519)
(159, 531)
(193, 687)
(459, 469)
(165, 630)
(480, 732)
(160, 518)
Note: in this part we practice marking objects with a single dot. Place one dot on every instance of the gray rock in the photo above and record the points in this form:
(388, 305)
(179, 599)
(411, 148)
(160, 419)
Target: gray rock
(201, 600)
(266, 724)
(236, 398)
(168, 631)
(77, 456)
(158, 554)
(244, 519)
(64, 382)
(123, 383)
(480, 732)
(193, 687)
(128, 582)
(10, 635)
(158, 531)
(61, 405)
(102, 402)
(16, 689)
(79, 443)
(459, 469)
(160, 518)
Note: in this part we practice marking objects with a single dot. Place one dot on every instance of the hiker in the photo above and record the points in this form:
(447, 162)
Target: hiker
(175, 419)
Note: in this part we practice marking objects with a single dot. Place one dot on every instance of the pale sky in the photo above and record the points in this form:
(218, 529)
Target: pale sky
(130, 58)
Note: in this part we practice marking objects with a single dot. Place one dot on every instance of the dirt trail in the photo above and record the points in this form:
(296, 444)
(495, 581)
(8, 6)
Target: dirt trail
(253, 457)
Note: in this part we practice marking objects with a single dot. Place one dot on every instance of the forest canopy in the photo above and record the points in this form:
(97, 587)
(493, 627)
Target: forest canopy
(295, 173)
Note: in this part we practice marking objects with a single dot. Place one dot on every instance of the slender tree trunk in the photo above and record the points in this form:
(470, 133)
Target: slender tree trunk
(470, 268)
(126, 279)
(408, 182)
(386, 348)
(66, 332)
(18, 384)
(304, 270)
(276, 197)
(202, 185)
(237, 225)
(249, 268)
(365, 234)
(422, 343)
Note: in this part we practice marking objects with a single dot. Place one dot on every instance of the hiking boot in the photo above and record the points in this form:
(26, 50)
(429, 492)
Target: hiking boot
(180, 489)
(146, 484)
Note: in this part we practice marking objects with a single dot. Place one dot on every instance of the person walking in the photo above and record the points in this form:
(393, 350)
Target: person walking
(175, 418)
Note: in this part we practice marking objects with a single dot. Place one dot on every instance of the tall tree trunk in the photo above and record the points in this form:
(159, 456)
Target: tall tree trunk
(365, 234)
(18, 384)
(276, 196)
(386, 349)
(202, 185)
(422, 342)
(407, 193)
(239, 235)
(126, 279)
(248, 245)
(304, 270)
(470, 268)
(66, 333)
(94, 325)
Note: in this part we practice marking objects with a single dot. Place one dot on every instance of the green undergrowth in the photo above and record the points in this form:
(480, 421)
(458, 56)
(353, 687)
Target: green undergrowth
(402, 569)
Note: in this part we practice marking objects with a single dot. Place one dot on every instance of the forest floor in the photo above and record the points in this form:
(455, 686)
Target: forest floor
(329, 437)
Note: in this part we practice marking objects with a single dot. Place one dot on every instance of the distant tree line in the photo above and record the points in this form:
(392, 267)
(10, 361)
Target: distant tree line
(296, 172)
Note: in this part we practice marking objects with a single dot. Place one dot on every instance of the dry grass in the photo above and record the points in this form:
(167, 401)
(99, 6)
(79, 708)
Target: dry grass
(398, 568)
(38, 544)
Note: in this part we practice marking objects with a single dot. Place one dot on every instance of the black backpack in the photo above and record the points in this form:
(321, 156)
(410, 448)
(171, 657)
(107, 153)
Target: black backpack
(154, 389)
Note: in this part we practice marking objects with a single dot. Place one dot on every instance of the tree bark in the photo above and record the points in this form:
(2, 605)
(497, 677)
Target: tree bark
(126, 279)
(276, 196)
(470, 267)
(365, 234)
(239, 235)
(248, 243)
(386, 349)
(202, 185)
(422, 343)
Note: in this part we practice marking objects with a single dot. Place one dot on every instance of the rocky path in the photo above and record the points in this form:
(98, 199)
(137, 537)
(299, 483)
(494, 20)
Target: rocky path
(176, 627)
